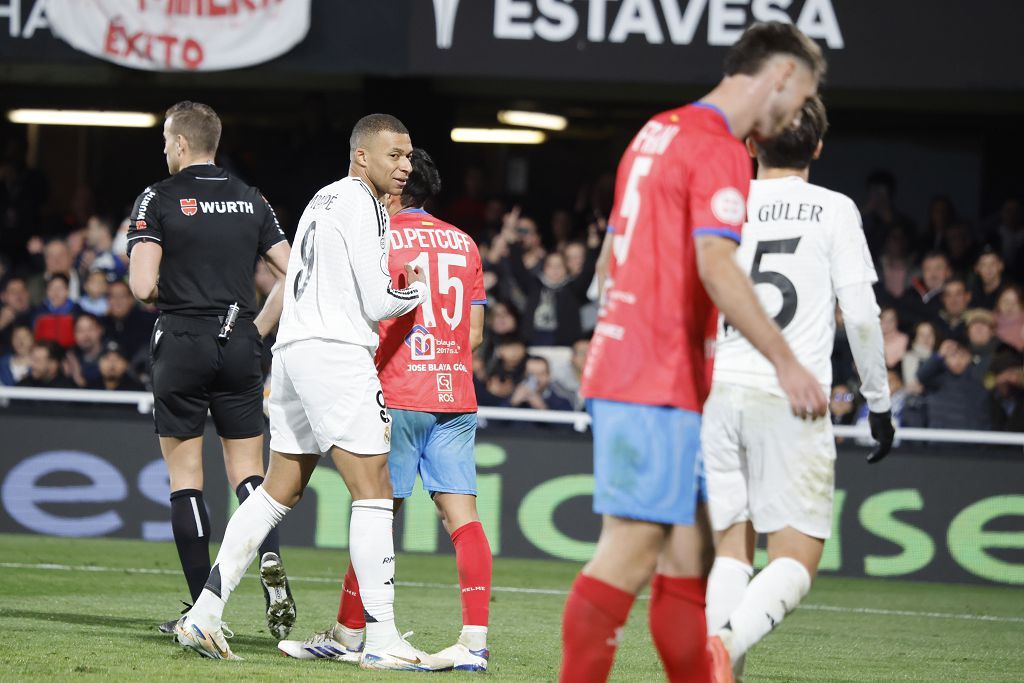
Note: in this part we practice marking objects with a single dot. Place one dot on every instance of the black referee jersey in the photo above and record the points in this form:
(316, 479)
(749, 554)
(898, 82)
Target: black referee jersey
(212, 228)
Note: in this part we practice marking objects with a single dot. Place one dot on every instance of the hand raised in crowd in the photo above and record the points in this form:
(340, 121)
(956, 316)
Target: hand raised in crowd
(509, 223)
(7, 316)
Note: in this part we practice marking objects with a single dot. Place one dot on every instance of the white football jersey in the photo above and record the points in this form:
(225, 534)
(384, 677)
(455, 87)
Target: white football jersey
(338, 285)
(800, 244)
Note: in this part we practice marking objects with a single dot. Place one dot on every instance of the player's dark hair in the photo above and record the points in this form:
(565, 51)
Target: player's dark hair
(424, 180)
(371, 125)
(795, 147)
(763, 40)
(198, 123)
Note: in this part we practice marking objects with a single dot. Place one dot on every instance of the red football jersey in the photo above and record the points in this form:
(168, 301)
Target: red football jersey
(683, 175)
(424, 360)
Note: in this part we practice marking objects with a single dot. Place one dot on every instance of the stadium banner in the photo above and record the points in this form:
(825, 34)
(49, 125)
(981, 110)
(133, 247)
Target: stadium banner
(934, 513)
(181, 35)
(869, 44)
(872, 45)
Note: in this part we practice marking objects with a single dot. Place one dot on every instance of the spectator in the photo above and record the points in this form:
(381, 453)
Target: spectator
(960, 249)
(127, 324)
(561, 229)
(54, 319)
(934, 273)
(502, 322)
(941, 216)
(981, 335)
(536, 390)
(1008, 392)
(98, 253)
(841, 405)
(84, 356)
(94, 300)
(892, 290)
(56, 261)
(15, 310)
(519, 231)
(483, 395)
(954, 388)
(113, 372)
(1010, 317)
(45, 370)
(921, 349)
(879, 213)
(1009, 234)
(894, 341)
(507, 367)
(14, 366)
(955, 299)
(898, 395)
(553, 298)
(571, 385)
(989, 282)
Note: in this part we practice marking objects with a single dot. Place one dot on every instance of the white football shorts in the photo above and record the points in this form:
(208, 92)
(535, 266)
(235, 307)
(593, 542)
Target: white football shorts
(764, 465)
(326, 393)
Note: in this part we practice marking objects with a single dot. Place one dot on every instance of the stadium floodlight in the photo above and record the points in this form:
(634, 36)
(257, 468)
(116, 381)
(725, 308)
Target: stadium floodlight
(506, 136)
(72, 117)
(533, 119)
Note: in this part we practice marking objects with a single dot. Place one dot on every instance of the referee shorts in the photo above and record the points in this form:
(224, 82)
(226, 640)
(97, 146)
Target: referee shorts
(195, 372)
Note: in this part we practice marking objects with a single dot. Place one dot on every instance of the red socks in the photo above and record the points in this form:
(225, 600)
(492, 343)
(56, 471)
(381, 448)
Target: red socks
(473, 558)
(350, 609)
(594, 616)
(679, 628)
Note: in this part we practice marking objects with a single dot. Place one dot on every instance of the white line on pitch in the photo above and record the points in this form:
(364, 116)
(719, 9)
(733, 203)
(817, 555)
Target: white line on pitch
(510, 589)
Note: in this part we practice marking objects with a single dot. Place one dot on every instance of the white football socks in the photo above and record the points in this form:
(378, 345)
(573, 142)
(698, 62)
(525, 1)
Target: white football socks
(726, 584)
(351, 638)
(474, 637)
(774, 592)
(372, 551)
(246, 530)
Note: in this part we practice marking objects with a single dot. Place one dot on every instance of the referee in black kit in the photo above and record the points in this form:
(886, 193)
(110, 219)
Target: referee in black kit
(194, 240)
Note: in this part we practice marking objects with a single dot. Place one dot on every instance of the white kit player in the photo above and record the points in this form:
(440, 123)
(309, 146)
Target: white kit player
(326, 397)
(769, 472)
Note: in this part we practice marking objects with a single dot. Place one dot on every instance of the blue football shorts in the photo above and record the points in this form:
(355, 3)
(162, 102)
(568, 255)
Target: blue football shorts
(647, 462)
(437, 446)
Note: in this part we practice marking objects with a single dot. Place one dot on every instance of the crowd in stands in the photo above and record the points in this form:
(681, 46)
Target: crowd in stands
(950, 294)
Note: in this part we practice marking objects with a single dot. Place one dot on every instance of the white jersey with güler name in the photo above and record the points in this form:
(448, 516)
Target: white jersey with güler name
(338, 285)
(801, 244)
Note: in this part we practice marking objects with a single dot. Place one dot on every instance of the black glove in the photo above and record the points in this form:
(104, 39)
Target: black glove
(881, 431)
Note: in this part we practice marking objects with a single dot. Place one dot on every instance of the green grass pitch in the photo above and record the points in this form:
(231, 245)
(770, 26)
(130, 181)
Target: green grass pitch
(91, 614)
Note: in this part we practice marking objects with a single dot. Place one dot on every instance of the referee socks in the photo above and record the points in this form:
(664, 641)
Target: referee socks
(190, 523)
